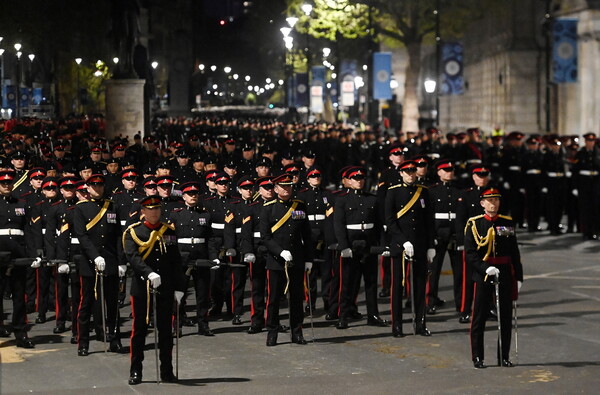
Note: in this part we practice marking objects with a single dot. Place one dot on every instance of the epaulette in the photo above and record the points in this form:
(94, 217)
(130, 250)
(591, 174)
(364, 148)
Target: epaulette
(56, 203)
(396, 186)
(40, 203)
(303, 190)
(116, 192)
(254, 203)
(508, 217)
(71, 208)
(344, 193)
(475, 217)
(82, 201)
(269, 202)
(26, 194)
(232, 201)
(470, 189)
(210, 198)
(178, 209)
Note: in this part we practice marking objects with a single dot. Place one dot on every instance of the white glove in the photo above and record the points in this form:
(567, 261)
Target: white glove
(217, 264)
(122, 270)
(178, 296)
(230, 252)
(249, 258)
(286, 255)
(386, 253)
(544, 190)
(506, 185)
(409, 250)
(522, 190)
(307, 266)
(100, 263)
(492, 271)
(346, 253)
(63, 268)
(154, 280)
(36, 263)
(430, 254)
(460, 248)
(575, 192)
(519, 285)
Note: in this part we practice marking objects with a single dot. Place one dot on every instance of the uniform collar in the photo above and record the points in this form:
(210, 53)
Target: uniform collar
(491, 219)
(152, 227)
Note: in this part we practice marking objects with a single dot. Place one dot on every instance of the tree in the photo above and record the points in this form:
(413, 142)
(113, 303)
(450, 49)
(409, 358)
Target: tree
(408, 23)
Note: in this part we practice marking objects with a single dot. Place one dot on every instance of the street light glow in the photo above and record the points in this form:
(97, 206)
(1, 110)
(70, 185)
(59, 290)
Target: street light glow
(393, 84)
(247, 78)
(326, 52)
(18, 47)
(154, 65)
(227, 69)
(19, 54)
(291, 20)
(201, 67)
(358, 82)
(1, 51)
(307, 8)
(250, 88)
(268, 80)
(115, 60)
(78, 61)
(215, 86)
(333, 75)
(365, 67)
(97, 73)
(236, 76)
(213, 67)
(31, 57)
(285, 31)
(429, 85)
(280, 82)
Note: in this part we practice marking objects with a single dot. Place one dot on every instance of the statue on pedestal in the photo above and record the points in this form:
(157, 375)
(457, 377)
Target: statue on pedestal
(124, 34)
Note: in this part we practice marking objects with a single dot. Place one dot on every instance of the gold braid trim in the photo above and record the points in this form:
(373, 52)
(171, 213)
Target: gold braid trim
(488, 240)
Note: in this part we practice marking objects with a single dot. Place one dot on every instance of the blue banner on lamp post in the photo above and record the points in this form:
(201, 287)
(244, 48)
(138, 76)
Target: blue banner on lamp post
(382, 75)
(564, 51)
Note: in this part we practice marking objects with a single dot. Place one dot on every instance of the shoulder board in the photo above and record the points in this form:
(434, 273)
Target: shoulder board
(254, 203)
(395, 186)
(40, 203)
(210, 198)
(116, 192)
(470, 189)
(335, 192)
(303, 190)
(269, 202)
(434, 185)
(508, 217)
(344, 193)
(133, 225)
(475, 217)
(26, 194)
(70, 208)
(234, 201)
(57, 203)
(82, 201)
(178, 209)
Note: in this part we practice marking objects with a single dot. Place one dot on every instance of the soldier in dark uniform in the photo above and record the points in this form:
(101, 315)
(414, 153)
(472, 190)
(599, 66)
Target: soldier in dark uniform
(14, 218)
(219, 207)
(587, 186)
(469, 206)
(318, 200)
(491, 249)
(18, 160)
(182, 170)
(409, 219)
(511, 167)
(285, 231)
(443, 198)
(357, 226)
(97, 228)
(151, 248)
(165, 187)
(532, 175)
(257, 269)
(194, 235)
(555, 183)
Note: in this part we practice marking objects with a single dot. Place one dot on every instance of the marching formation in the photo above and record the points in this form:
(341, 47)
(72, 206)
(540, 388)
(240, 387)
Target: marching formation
(299, 212)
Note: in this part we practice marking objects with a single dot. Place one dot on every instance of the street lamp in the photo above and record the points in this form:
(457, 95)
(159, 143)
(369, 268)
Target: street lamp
(326, 52)
(18, 95)
(201, 67)
(154, 65)
(227, 69)
(213, 68)
(78, 104)
(307, 8)
(291, 20)
(430, 85)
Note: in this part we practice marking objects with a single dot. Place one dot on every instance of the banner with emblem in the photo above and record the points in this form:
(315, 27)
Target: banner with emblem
(382, 75)
(452, 69)
(348, 90)
(301, 93)
(317, 89)
(24, 97)
(9, 97)
(564, 51)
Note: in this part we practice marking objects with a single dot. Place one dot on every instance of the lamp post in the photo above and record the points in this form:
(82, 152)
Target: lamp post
(307, 9)
(430, 87)
(78, 102)
(289, 44)
(438, 48)
(18, 93)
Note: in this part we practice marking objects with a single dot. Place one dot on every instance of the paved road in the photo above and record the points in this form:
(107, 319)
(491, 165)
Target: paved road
(559, 344)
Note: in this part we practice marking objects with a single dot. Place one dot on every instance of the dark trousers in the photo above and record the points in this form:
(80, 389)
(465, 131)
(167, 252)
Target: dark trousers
(386, 272)
(555, 203)
(238, 283)
(335, 285)
(164, 312)
(276, 281)
(397, 284)
(419, 269)
(258, 281)
(483, 295)
(31, 288)
(436, 270)
(466, 292)
(350, 273)
(201, 279)
(75, 301)
(322, 268)
(18, 279)
(62, 298)
(220, 289)
(89, 304)
(44, 275)
(533, 204)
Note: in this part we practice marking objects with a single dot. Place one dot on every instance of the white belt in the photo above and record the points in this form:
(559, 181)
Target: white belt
(534, 171)
(191, 240)
(123, 222)
(360, 226)
(238, 230)
(316, 217)
(514, 168)
(11, 232)
(445, 215)
(217, 226)
(472, 161)
(257, 234)
(555, 174)
(588, 172)
(74, 240)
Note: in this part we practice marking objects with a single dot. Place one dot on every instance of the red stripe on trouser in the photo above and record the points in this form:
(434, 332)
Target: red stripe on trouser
(56, 304)
(407, 276)
(381, 269)
(232, 291)
(251, 292)
(392, 290)
(79, 309)
(37, 290)
(132, 329)
(427, 289)
(306, 290)
(464, 283)
(340, 289)
(268, 295)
